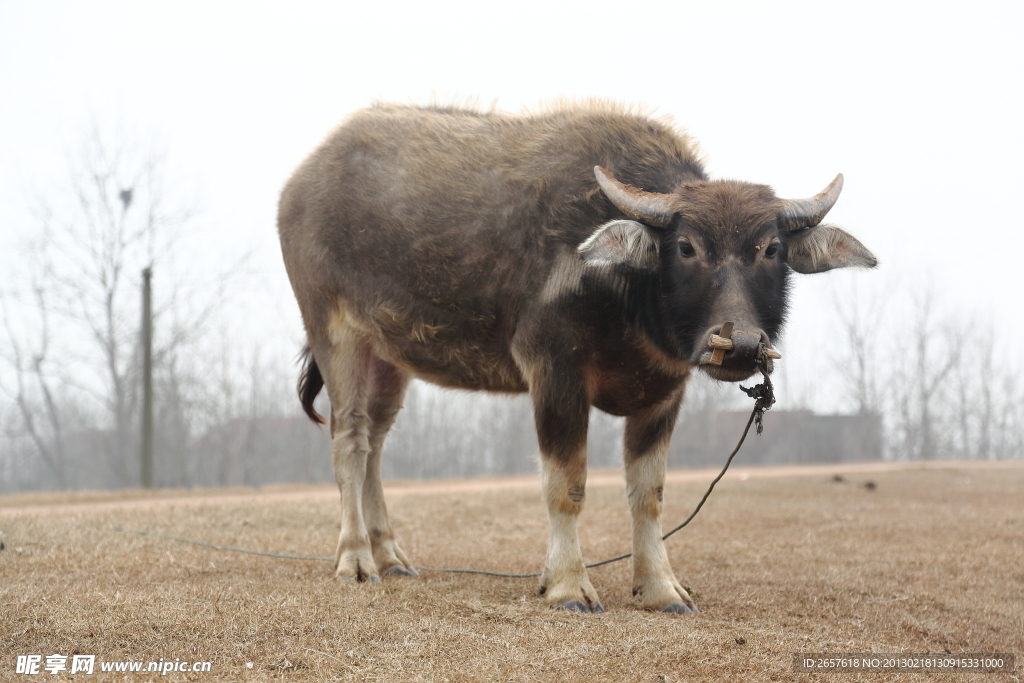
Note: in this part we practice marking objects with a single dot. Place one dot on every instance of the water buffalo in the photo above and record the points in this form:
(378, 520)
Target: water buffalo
(580, 254)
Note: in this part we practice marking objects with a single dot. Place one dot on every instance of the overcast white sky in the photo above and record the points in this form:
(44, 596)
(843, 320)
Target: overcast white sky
(919, 104)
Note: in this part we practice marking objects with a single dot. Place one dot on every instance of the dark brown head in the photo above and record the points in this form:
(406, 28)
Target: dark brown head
(722, 252)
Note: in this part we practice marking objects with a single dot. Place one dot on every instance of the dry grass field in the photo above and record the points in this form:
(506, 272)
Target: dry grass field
(928, 559)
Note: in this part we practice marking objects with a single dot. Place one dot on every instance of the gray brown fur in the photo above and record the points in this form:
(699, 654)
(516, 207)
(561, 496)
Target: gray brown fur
(479, 251)
(455, 244)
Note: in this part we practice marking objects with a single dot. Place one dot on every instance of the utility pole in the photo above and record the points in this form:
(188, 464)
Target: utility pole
(147, 356)
(147, 377)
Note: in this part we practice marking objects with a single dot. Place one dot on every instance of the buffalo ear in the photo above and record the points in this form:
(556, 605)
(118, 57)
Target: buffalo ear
(627, 243)
(824, 247)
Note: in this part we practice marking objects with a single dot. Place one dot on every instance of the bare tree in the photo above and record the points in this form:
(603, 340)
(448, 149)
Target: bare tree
(936, 349)
(860, 312)
(933, 377)
(71, 312)
(34, 392)
(986, 399)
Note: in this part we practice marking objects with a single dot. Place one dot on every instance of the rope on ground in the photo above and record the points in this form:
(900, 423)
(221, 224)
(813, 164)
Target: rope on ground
(764, 395)
(222, 547)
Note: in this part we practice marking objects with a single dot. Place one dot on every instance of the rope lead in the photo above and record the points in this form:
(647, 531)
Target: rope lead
(764, 395)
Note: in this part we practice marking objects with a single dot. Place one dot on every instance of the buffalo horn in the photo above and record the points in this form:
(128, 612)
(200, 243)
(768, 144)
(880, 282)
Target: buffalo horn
(647, 207)
(797, 214)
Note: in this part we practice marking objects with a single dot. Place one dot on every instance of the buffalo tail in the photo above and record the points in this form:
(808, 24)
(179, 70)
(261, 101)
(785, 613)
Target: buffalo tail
(310, 384)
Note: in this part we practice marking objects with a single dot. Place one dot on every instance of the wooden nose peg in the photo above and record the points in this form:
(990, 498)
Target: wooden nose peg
(718, 355)
(723, 342)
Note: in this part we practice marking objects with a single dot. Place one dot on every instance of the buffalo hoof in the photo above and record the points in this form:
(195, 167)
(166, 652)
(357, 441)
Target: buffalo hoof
(399, 570)
(580, 606)
(680, 608)
(373, 578)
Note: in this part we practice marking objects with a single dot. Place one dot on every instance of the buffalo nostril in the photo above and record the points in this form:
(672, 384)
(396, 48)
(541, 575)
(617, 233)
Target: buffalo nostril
(745, 346)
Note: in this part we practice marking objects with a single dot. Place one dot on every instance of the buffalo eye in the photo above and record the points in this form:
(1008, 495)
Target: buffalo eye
(687, 250)
(772, 250)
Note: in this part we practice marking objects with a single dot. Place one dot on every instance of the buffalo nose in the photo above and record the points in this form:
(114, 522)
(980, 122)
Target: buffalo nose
(738, 349)
(744, 349)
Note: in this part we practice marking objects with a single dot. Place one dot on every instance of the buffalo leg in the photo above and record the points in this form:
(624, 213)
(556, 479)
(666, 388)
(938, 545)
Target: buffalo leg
(645, 452)
(350, 370)
(561, 411)
(388, 389)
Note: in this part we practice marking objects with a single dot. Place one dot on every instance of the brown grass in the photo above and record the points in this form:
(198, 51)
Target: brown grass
(930, 560)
